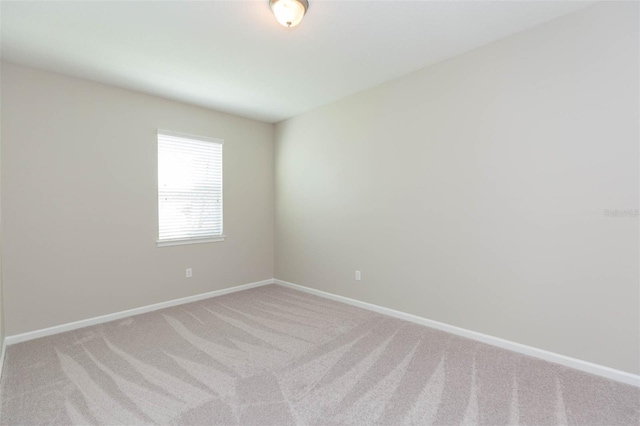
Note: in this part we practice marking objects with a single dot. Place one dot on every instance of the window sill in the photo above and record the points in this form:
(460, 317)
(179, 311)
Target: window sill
(180, 242)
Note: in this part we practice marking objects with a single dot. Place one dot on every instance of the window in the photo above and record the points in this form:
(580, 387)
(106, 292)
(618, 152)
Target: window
(189, 189)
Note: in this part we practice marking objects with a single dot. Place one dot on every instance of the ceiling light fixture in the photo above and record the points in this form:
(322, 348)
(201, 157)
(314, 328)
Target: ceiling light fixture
(289, 12)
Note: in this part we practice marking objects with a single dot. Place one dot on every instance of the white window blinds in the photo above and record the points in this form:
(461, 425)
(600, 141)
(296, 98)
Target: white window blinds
(189, 189)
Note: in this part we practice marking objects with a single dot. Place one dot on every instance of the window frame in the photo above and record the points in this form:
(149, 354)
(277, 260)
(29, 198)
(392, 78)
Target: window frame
(188, 240)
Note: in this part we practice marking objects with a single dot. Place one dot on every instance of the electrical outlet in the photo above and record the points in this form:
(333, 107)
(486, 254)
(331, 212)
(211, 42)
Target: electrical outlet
(189, 272)
(358, 276)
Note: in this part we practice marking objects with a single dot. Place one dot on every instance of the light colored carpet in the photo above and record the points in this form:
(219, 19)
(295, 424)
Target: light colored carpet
(274, 356)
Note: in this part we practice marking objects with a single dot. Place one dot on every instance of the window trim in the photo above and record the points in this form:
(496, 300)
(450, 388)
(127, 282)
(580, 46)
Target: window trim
(187, 240)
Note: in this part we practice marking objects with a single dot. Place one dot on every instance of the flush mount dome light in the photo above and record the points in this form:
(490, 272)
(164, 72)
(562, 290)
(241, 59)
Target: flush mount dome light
(289, 12)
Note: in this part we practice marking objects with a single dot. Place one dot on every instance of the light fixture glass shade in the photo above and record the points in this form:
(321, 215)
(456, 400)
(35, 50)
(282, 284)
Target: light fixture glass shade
(289, 12)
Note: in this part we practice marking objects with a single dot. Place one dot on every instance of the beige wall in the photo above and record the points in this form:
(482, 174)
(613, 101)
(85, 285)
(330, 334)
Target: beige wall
(473, 192)
(2, 334)
(80, 201)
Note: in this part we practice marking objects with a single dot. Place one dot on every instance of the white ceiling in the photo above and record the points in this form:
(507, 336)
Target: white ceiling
(233, 56)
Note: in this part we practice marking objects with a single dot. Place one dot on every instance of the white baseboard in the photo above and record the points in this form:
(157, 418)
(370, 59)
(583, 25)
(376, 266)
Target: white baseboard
(17, 338)
(4, 350)
(578, 364)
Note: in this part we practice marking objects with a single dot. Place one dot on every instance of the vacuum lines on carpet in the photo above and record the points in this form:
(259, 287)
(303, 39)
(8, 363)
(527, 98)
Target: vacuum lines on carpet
(276, 356)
